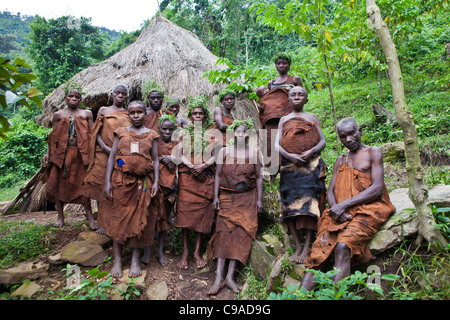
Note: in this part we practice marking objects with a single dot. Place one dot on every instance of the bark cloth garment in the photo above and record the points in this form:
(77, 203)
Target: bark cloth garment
(367, 219)
(237, 219)
(104, 125)
(132, 211)
(194, 205)
(302, 187)
(272, 107)
(67, 164)
(151, 120)
(228, 120)
(167, 184)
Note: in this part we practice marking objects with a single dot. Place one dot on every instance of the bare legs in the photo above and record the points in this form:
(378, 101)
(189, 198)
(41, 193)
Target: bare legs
(229, 280)
(162, 235)
(87, 208)
(199, 262)
(342, 261)
(301, 252)
(135, 268)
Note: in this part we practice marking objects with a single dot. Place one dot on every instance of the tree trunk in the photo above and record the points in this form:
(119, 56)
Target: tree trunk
(417, 191)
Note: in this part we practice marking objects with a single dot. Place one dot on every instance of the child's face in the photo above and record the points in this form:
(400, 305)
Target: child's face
(174, 109)
(282, 65)
(297, 97)
(197, 115)
(228, 101)
(136, 113)
(166, 129)
(73, 99)
(155, 99)
(120, 95)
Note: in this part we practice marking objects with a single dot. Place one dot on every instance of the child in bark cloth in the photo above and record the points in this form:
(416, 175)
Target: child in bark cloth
(131, 184)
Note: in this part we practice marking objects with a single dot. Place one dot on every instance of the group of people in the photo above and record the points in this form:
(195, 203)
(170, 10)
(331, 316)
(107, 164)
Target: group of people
(139, 170)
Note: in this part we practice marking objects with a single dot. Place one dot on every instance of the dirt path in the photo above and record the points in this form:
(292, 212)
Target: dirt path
(190, 284)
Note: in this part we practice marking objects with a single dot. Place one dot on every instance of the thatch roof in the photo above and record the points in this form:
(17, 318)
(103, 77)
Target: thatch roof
(164, 52)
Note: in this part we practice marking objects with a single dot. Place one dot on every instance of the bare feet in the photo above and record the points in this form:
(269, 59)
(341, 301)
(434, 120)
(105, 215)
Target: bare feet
(59, 223)
(199, 262)
(135, 268)
(300, 255)
(100, 230)
(162, 259)
(232, 285)
(183, 264)
(218, 284)
(146, 256)
(116, 270)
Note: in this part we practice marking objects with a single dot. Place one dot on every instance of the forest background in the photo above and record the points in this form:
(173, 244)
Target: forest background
(335, 51)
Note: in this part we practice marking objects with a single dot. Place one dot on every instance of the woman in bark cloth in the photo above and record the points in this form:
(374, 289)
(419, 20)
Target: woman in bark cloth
(67, 156)
(237, 200)
(131, 183)
(222, 114)
(274, 102)
(302, 187)
(109, 119)
(195, 180)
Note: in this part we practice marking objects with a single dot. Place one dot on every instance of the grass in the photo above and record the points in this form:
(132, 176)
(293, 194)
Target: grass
(8, 193)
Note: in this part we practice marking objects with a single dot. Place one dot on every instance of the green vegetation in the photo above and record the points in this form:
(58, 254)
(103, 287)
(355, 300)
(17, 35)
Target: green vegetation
(246, 35)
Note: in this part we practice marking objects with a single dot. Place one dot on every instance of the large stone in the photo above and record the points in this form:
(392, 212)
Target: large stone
(260, 258)
(139, 282)
(26, 270)
(27, 290)
(393, 151)
(404, 222)
(274, 243)
(439, 195)
(95, 238)
(83, 253)
(157, 291)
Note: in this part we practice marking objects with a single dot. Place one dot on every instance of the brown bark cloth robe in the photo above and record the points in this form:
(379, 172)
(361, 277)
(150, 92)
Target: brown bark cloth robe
(272, 107)
(132, 213)
(194, 205)
(237, 219)
(167, 183)
(105, 125)
(302, 187)
(151, 120)
(67, 164)
(367, 219)
(228, 120)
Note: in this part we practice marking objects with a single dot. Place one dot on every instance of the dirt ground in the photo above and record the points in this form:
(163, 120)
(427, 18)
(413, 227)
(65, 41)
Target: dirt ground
(190, 284)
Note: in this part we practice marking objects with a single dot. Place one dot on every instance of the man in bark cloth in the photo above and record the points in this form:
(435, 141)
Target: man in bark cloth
(67, 156)
(358, 205)
(300, 141)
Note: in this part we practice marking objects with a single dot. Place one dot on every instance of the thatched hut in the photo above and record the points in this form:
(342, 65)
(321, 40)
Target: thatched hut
(164, 52)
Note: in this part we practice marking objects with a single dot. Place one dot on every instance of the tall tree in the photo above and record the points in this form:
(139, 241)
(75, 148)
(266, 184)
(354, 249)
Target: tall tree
(62, 47)
(417, 190)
